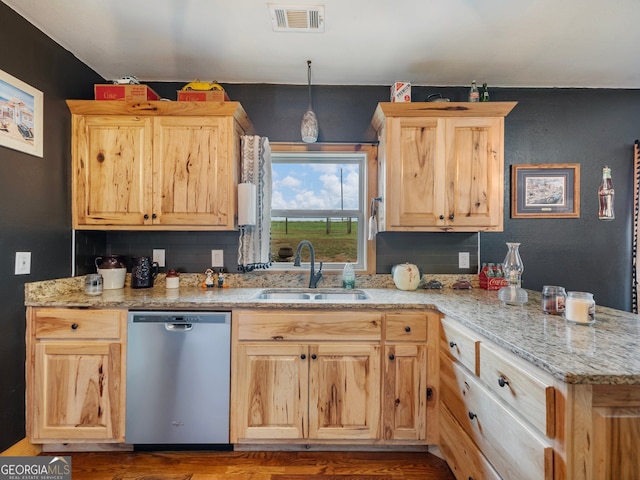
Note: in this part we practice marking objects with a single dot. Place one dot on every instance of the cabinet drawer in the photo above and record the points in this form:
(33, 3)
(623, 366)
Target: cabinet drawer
(72, 323)
(461, 344)
(530, 395)
(406, 327)
(462, 455)
(308, 326)
(514, 449)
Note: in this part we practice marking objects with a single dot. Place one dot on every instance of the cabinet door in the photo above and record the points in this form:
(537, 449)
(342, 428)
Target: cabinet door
(415, 173)
(474, 172)
(111, 170)
(272, 391)
(78, 391)
(195, 172)
(344, 391)
(405, 392)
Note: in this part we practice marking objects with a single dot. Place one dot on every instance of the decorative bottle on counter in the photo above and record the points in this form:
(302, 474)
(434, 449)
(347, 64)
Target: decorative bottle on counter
(605, 196)
(474, 94)
(513, 294)
(484, 97)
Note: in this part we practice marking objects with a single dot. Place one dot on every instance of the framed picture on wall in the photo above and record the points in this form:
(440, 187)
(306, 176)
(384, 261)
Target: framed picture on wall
(21, 115)
(545, 190)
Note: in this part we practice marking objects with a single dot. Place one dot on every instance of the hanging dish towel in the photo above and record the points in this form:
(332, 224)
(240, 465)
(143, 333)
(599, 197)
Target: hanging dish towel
(254, 249)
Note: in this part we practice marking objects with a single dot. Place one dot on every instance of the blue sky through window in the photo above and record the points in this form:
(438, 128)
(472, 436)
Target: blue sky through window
(315, 186)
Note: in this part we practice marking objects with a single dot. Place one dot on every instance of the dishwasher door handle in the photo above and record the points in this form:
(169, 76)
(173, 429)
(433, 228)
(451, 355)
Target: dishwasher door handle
(178, 327)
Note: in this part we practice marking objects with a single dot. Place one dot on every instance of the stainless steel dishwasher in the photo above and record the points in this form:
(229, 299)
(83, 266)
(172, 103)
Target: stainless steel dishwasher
(178, 378)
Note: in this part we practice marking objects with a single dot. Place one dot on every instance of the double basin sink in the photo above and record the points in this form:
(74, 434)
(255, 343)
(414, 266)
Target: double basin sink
(311, 295)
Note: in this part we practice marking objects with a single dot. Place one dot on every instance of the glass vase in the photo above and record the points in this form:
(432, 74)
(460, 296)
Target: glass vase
(513, 294)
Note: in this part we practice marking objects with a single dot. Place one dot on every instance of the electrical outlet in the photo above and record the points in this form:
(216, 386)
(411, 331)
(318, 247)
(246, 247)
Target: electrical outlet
(463, 260)
(23, 263)
(217, 258)
(158, 256)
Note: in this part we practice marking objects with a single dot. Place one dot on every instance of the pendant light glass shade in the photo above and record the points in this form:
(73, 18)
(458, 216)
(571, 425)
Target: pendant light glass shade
(309, 127)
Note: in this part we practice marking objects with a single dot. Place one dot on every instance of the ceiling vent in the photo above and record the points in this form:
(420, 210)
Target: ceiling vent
(297, 18)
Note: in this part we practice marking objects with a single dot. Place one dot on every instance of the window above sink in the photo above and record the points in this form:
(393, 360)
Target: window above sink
(321, 194)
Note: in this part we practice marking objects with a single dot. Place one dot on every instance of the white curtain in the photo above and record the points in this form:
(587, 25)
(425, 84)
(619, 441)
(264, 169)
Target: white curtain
(254, 249)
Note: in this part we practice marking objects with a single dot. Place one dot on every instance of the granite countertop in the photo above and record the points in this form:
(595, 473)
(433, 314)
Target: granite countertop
(607, 352)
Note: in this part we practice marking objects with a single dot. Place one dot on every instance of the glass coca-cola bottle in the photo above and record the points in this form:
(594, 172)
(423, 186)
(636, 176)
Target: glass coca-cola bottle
(605, 196)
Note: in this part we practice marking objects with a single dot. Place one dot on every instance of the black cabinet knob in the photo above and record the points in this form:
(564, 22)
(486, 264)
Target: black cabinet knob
(452, 344)
(392, 357)
(313, 356)
(407, 329)
(303, 356)
(502, 381)
(146, 216)
(451, 217)
(74, 326)
(441, 217)
(472, 415)
(154, 216)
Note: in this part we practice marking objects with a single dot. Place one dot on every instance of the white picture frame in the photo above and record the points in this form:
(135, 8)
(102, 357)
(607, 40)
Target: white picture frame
(21, 115)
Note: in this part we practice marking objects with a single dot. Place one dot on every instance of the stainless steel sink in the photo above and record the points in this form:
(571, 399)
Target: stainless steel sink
(333, 295)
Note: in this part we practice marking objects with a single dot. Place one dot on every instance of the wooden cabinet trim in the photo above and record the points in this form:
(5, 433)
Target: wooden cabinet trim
(160, 108)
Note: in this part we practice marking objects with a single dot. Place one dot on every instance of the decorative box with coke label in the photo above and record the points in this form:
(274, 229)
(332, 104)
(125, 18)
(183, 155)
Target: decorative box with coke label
(491, 277)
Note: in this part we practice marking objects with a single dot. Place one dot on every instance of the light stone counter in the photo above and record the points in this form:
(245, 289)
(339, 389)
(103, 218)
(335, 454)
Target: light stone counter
(606, 353)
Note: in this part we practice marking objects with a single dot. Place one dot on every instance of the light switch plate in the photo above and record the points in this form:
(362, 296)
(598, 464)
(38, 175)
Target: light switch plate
(23, 263)
(463, 259)
(217, 258)
(158, 256)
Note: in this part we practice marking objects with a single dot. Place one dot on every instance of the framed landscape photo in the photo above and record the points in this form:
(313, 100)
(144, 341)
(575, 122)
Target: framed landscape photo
(545, 190)
(21, 115)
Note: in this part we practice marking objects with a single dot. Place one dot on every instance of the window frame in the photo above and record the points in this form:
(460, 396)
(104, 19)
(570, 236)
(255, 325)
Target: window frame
(368, 177)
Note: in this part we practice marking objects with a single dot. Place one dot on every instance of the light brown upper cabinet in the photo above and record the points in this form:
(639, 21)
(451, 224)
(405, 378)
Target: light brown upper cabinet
(156, 165)
(441, 166)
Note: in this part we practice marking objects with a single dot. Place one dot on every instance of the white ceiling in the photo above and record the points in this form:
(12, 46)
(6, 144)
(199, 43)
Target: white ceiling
(508, 43)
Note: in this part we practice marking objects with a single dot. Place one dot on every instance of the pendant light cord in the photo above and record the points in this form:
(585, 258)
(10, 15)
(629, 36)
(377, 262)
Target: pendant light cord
(309, 80)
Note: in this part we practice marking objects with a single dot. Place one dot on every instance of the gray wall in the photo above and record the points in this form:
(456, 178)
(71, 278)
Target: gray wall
(34, 198)
(590, 127)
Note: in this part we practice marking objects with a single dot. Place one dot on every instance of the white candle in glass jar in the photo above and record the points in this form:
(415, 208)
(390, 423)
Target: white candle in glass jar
(580, 307)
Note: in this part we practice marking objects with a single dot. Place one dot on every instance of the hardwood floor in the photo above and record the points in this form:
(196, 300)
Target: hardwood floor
(258, 466)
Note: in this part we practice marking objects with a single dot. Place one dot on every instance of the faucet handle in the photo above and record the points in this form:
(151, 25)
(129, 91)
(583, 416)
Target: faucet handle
(320, 269)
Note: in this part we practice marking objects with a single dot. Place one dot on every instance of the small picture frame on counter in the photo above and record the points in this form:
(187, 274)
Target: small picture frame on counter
(545, 190)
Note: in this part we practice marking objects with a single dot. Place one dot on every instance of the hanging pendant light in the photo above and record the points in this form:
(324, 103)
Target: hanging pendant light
(309, 127)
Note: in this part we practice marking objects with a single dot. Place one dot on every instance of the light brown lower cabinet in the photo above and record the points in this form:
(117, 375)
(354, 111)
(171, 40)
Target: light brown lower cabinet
(327, 388)
(410, 365)
(321, 376)
(603, 432)
(499, 410)
(465, 459)
(75, 375)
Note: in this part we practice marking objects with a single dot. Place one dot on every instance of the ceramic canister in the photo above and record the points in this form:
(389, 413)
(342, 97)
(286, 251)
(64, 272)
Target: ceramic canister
(113, 271)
